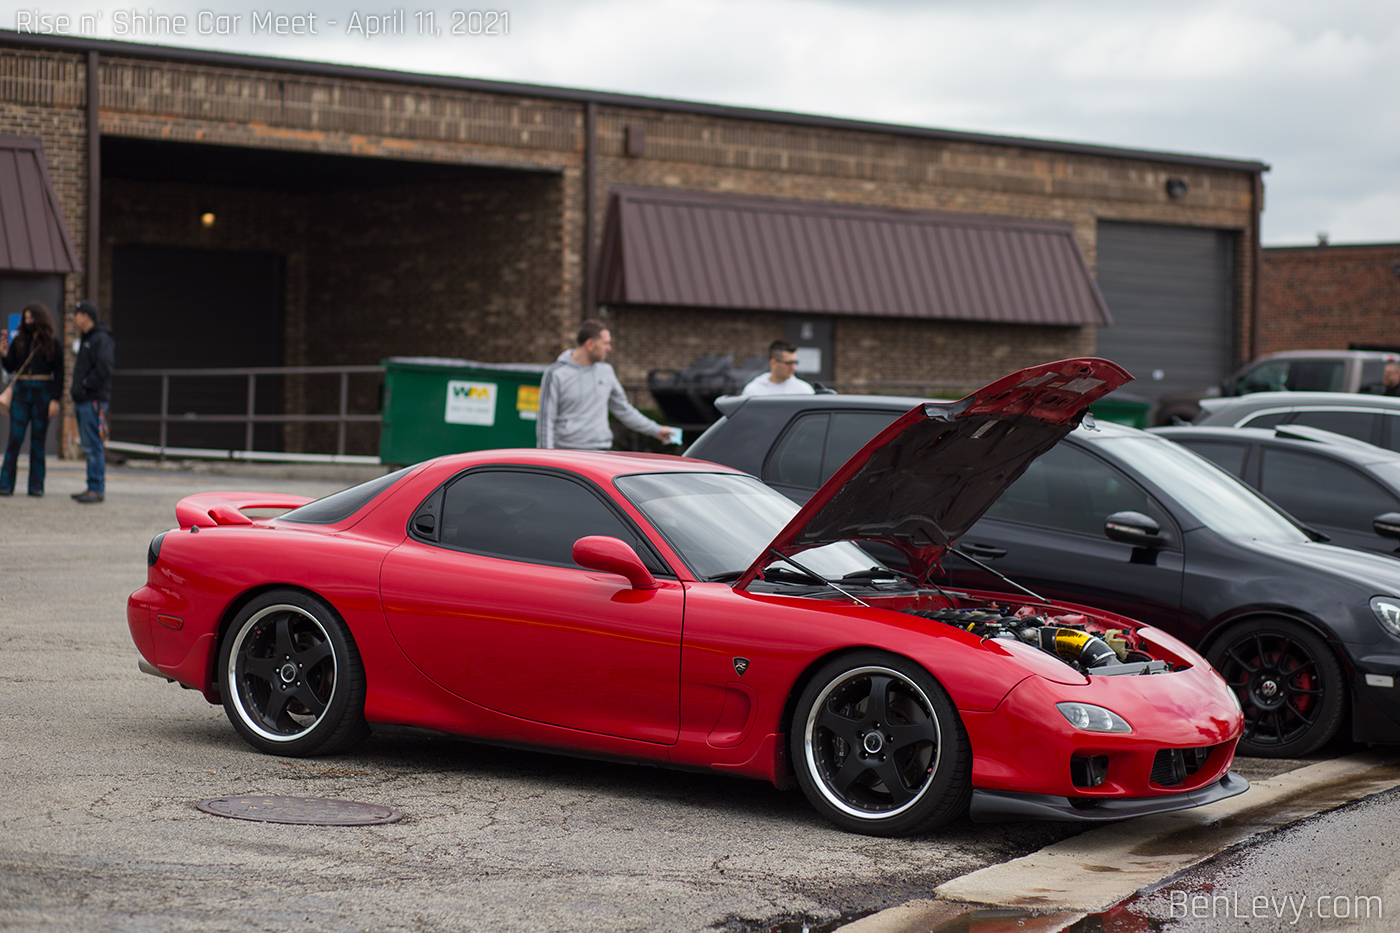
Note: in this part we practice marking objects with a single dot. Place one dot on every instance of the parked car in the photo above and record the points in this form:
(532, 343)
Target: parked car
(679, 612)
(1289, 371)
(1369, 418)
(1129, 522)
(1347, 489)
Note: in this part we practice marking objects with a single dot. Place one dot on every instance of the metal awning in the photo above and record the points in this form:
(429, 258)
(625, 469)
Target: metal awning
(33, 237)
(663, 247)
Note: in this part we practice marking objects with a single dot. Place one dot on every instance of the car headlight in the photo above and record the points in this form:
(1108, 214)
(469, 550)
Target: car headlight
(1092, 718)
(1387, 612)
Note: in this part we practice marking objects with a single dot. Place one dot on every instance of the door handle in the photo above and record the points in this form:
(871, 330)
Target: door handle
(983, 550)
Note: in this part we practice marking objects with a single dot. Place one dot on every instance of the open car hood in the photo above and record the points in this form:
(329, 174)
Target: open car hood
(927, 478)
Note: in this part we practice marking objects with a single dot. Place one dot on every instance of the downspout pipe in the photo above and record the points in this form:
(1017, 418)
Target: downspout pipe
(590, 180)
(94, 180)
(1256, 224)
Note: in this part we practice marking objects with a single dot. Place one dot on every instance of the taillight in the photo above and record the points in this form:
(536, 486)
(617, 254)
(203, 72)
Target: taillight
(153, 552)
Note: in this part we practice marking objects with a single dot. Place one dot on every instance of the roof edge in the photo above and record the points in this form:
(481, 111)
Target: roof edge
(578, 95)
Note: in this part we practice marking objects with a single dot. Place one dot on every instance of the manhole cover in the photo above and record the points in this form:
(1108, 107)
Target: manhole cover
(309, 811)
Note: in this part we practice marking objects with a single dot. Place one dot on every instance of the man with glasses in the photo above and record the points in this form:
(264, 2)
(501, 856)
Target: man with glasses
(780, 378)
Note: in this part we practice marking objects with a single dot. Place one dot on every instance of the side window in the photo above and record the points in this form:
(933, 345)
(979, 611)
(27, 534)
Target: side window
(1390, 439)
(1071, 490)
(850, 431)
(533, 517)
(1266, 377)
(1372, 372)
(1317, 491)
(1317, 376)
(1358, 424)
(1224, 454)
(797, 460)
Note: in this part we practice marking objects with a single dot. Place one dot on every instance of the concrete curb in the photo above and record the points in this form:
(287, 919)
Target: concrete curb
(1097, 869)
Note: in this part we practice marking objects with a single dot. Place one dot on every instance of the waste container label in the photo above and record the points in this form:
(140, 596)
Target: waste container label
(527, 402)
(471, 403)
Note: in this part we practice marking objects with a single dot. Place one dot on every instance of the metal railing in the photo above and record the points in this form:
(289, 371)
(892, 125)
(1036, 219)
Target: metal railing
(250, 418)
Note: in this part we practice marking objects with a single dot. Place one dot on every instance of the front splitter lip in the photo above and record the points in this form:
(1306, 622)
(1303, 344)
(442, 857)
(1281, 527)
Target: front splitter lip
(992, 805)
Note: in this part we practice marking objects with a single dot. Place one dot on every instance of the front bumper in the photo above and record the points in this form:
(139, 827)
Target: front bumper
(991, 805)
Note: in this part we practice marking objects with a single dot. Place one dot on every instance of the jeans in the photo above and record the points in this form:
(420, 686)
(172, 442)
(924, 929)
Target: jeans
(29, 410)
(91, 415)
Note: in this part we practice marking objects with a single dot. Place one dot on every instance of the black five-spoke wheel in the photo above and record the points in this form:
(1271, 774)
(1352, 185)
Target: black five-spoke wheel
(291, 677)
(1288, 682)
(878, 747)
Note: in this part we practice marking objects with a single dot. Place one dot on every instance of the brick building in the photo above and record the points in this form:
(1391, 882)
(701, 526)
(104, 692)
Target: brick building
(1329, 297)
(240, 211)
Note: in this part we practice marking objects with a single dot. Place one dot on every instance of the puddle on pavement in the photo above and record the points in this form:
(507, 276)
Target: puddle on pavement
(802, 925)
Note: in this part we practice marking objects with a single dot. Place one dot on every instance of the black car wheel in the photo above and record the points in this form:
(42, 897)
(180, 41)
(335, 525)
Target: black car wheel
(879, 748)
(291, 677)
(1288, 682)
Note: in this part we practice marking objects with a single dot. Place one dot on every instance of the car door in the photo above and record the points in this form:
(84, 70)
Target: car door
(489, 604)
(1334, 498)
(1046, 532)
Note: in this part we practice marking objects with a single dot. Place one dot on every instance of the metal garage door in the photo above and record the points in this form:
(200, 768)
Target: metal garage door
(1171, 293)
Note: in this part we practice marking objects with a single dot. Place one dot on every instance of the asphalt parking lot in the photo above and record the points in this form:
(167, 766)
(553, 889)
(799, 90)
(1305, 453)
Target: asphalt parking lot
(102, 767)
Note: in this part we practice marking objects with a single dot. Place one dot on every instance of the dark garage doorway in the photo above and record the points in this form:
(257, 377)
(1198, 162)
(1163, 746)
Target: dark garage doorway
(197, 309)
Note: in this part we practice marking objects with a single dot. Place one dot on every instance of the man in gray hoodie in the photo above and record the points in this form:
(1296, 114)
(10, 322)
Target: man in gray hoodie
(577, 392)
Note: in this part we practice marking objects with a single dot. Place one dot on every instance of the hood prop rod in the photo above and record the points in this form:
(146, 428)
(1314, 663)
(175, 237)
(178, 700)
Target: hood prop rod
(816, 576)
(1000, 576)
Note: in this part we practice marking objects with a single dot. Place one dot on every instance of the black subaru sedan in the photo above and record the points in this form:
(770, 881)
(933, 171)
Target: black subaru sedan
(1307, 633)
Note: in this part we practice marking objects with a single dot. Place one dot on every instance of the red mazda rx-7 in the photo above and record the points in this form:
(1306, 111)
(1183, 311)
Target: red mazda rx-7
(677, 612)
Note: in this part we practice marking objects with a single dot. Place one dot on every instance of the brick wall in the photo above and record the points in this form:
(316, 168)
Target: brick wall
(524, 298)
(887, 356)
(1328, 297)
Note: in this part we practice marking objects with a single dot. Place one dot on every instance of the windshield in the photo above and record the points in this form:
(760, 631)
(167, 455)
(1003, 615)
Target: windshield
(341, 505)
(720, 522)
(1216, 499)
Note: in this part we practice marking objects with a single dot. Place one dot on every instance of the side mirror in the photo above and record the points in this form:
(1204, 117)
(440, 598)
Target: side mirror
(1136, 529)
(1387, 525)
(609, 555)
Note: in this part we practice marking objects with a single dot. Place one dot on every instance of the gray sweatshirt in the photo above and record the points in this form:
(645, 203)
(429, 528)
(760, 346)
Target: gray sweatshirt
(574, 405)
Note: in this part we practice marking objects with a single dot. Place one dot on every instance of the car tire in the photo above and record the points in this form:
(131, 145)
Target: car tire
(291, 677)
(1288, 682)
(879, 748)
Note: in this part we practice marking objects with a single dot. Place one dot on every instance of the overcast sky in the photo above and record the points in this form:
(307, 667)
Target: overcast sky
(1307, 86)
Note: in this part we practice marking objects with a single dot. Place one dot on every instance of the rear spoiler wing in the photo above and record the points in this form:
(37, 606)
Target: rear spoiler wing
(208, 509)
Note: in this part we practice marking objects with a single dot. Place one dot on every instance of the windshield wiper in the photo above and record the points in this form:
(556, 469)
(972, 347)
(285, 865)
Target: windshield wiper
(726, 577)
(876, 573)
(816, 576)
(999, 575)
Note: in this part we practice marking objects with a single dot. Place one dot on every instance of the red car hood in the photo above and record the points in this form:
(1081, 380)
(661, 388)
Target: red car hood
(923, 481)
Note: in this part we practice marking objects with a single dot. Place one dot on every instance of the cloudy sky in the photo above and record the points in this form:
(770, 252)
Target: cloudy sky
(1308, 87)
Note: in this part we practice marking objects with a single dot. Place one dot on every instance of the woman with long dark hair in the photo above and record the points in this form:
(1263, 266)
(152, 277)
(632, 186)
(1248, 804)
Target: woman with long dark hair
(37, 359)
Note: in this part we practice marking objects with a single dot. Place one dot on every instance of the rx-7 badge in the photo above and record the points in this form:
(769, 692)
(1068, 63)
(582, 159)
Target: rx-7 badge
(741, 665)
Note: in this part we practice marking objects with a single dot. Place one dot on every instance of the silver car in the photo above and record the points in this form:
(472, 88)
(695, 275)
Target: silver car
(1374, 419)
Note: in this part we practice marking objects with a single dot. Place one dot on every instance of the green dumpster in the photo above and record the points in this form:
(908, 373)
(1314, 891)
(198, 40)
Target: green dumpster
(435, 406)
(1132, 410)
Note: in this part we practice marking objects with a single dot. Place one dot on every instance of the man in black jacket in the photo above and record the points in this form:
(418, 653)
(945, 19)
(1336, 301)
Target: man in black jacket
(92, 390)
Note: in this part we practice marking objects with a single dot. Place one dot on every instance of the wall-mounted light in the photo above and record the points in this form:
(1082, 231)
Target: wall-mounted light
(206, 220)
(1177, 188)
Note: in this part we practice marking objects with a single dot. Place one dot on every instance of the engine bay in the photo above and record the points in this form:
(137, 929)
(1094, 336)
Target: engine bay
(1112, 652)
